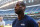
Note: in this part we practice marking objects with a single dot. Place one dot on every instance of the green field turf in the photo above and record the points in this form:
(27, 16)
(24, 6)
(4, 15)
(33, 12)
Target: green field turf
(8, 26)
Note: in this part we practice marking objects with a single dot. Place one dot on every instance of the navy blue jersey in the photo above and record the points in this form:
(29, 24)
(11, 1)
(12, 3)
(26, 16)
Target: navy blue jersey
(25, 22)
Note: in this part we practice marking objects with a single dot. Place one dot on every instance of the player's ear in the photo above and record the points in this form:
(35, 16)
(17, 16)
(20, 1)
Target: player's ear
(24, 8)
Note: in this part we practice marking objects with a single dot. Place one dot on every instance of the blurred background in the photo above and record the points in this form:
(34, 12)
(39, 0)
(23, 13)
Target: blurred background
(8, 13)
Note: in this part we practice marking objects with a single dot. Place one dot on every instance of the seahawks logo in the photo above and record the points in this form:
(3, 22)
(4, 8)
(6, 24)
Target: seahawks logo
(22, 24)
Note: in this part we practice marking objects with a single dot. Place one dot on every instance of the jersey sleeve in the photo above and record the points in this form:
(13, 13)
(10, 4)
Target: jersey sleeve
(33, 23)
(3, 23)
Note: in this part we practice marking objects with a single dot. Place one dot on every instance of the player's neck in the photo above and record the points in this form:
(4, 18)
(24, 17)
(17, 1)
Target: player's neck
(20, 16)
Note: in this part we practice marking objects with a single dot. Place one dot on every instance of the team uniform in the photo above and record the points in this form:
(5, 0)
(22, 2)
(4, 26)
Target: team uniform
(25, 22)
(2, 23)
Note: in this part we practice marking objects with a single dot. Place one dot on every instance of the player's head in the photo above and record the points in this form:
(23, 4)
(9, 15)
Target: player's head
(20, 7)
(1, 18)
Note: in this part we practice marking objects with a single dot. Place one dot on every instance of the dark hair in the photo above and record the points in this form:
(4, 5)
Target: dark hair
(23, 4)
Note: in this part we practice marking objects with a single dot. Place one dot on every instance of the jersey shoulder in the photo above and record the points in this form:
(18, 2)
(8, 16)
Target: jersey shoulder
(28, 18)
(31, 22)
(14, 22)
